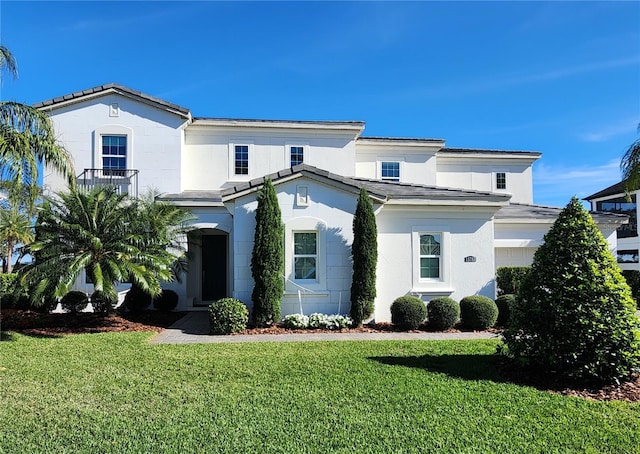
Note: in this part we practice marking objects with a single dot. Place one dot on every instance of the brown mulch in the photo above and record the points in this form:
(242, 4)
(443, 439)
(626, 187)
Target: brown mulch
(51, 325)
(368, 328)
(54, 325)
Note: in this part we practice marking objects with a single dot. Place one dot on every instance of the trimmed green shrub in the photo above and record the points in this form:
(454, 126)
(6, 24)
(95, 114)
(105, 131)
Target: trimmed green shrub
(103, 303)
(509, 278)
(267, 258)
(574, 314)
(408, 312)
(227, 315)
(364, 251)
(137, 300)
(8, 284)
(478, 312)
(75, 301)
(442, 313)
(504, 303)
(633, 281)
(166, 301)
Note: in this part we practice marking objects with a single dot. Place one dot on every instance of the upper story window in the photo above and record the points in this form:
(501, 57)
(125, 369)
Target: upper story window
(390, 171)
(620, 205)
(242, 159)
(305, 255)
(297, 155)
(114, 152)
(430, 255)
(501, 180)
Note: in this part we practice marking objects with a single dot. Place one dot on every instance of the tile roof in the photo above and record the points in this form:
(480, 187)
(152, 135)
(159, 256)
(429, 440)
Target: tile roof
(489, 151)
(114, 88)
(614, 189)
(523, 211)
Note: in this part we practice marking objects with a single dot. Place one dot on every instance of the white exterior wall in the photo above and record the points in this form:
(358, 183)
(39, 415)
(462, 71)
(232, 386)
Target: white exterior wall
(209, 153)
(417, 164)
(466, 233)
(479, 174)
(154, 140)
(330, 213)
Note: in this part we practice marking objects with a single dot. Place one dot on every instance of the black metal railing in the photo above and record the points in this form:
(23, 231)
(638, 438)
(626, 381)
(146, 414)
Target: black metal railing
(124, 180)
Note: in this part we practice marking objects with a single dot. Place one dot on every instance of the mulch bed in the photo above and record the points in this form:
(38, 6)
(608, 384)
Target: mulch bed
(53, 325)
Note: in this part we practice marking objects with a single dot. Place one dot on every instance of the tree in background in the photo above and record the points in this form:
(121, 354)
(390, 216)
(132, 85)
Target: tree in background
(267, 259)
(364, 253)
(630, 166)
(574, 314)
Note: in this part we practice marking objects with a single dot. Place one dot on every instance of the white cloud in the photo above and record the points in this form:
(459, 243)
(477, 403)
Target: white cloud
(555, 185)
(607, 132)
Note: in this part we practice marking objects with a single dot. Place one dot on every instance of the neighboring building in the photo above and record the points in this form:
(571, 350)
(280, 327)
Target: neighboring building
(614, 200)
(446, 216)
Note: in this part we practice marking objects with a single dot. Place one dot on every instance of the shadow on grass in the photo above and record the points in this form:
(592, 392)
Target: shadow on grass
(467, 367)
(6, 336)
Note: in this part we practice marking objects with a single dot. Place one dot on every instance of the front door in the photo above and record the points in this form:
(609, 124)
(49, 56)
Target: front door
(214, 267)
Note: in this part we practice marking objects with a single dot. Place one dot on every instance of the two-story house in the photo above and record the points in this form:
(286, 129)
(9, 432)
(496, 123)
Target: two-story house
(446, 217)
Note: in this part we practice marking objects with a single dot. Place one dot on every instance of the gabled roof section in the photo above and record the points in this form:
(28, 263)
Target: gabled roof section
(354, 126)
(382, 191)
(103, 90)
(614, 189)
(520, 212)
(406, 141)
(489, 152)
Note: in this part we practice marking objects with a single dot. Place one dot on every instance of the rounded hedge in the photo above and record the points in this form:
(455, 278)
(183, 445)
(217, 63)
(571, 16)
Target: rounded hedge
(227, 315)
(442, 313)
(408, 312)
(504, 303)
(75, 301)
(166, 301)
(478, 312)
(103, 303)
(137, 300)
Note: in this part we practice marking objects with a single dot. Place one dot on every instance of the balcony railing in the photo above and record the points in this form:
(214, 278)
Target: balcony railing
(124, 180)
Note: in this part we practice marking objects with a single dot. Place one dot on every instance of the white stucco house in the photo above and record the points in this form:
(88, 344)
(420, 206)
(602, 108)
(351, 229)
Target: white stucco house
(446, 217)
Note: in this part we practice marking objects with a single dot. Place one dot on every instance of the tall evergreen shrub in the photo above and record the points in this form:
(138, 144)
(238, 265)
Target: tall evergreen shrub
(364, 252)
(267, 260)
(574, 314)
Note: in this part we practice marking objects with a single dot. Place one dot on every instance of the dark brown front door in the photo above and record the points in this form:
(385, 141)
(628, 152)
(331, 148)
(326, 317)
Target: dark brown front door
(214, 267)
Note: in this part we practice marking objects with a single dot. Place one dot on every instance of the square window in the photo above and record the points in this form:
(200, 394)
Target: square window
(501, 180)
(297, 156)
(114, 152)
(242, 159)
(390, 171)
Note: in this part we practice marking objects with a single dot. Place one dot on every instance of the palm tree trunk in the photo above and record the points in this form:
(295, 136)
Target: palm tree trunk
(9, 256)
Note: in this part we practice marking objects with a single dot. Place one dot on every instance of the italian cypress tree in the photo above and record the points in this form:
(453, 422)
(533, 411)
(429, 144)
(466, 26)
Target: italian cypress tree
(267, 260)
(364, 253)
(574, 314)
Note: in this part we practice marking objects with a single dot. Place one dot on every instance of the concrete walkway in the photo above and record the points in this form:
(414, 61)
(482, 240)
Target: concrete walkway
(193, 328)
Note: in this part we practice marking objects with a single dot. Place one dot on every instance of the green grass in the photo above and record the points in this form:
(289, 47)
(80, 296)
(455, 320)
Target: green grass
(115, 393)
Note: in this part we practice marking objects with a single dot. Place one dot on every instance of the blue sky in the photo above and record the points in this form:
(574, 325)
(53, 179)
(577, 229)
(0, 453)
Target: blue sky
(562, 78)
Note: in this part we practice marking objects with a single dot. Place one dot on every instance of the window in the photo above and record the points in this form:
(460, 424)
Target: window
(620, 205)
(501, 180)
(114, 153)
(390, 171)
(242, 159)
(297, 155)
(430, 255)
(305, 255)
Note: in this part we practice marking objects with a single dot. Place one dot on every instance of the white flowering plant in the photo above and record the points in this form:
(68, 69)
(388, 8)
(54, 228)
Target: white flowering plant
(317, 321)
(295, 321)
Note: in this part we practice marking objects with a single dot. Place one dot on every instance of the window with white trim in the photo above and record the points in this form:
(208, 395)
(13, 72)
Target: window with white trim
(501, 180)
(296, 154)
(241, 159)
(114, 153)
(305, 255)
(430, 256)
(390, 171)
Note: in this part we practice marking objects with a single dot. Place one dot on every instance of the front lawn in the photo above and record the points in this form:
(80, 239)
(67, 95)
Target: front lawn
(113, 392)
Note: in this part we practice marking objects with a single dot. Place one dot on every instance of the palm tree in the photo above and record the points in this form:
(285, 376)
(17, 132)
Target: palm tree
(110, 236)
(15, 229)
(27, 139)
(7, 62)
(630, 167)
